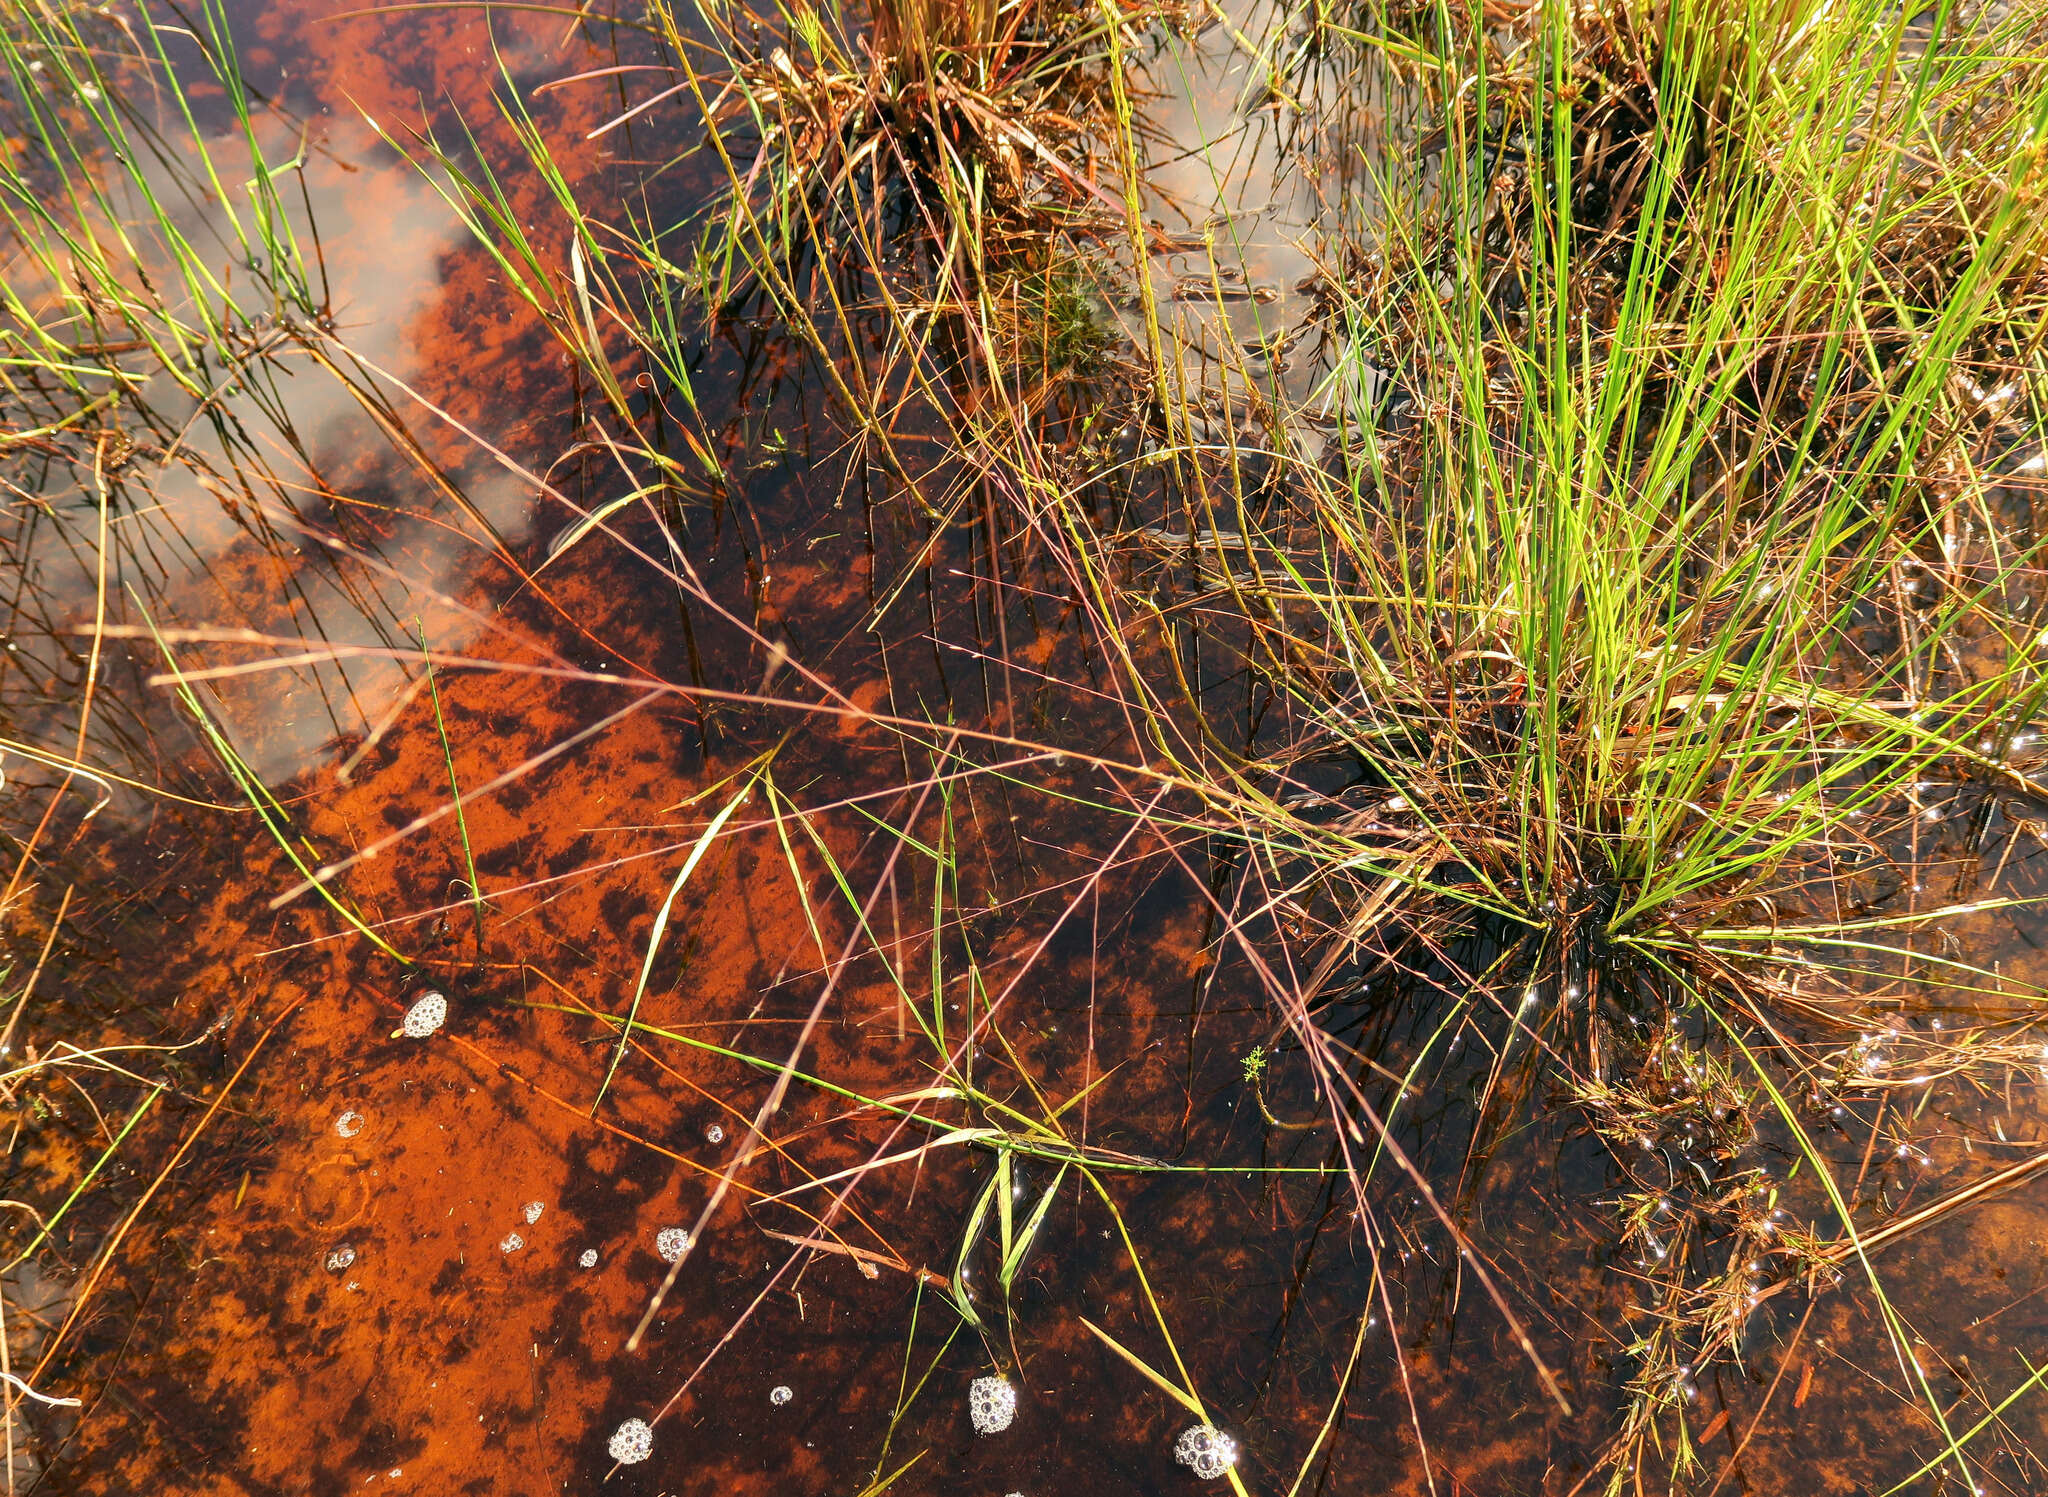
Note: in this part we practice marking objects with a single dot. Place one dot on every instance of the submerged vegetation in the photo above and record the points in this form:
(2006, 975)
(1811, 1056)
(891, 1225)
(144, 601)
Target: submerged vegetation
(1575, 660)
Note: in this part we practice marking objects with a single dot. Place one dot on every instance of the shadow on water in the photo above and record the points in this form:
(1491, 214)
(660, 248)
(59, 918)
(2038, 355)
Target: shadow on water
(315, 1265)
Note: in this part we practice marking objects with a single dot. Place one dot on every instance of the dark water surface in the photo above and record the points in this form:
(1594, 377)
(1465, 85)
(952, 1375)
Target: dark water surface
(215, 1349)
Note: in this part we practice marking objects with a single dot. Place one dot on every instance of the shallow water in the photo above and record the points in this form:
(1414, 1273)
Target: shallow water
(323, 1294)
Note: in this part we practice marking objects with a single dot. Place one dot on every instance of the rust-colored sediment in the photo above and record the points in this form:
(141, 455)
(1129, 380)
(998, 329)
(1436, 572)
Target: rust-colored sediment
(220, 1354)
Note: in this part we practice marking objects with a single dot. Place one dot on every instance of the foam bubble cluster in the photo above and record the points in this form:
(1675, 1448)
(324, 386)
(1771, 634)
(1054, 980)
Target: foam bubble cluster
(1205, 1450)
(349, 1124)
(588, 1258)
(425, 1016)
(991, 1404)
(531, 1211)
(781, 1394)
(342, 1256)
(632, 1442)
(671, 1243)
(513, 1243)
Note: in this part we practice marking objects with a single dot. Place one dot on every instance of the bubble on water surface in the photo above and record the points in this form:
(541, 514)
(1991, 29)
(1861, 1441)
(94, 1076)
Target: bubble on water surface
(513, 1243)
(671, 1243)
(715, 1134)
(632, 1442)
(1205, 1450)
(531, 1211)
(991, 1404)
(349, 1124)
(781, 1394)
(425, 1016)
(588, 1259)
(342, 1256)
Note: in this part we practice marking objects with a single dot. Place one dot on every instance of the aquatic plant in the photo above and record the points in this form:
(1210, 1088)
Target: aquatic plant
(111, 277)
(1639, 555)
(1643, 566)
(1660, 565)
(976, 112)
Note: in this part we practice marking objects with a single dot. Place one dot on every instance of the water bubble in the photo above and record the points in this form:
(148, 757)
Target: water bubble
(632, 1442)
(587, 1258)
(349, 1124)
(342, 1256)
(531, 1211)
(425, 1016)
(671, 1243)
(512, 1243)
(781, 1394)
(714, 1134)
(991, 1404)
(1205, 1450)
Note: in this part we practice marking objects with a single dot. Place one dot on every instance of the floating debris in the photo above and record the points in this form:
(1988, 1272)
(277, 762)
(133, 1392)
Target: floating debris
(991, 1404)
(671, 1243)
(632, 1442)
(349, 1124)
(531, 1211)
(1205, 1450)
(428, 1014)
(715, 1134)
(587, 1259)
(781, 1394)
(341, 1257)
(513, 1243)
